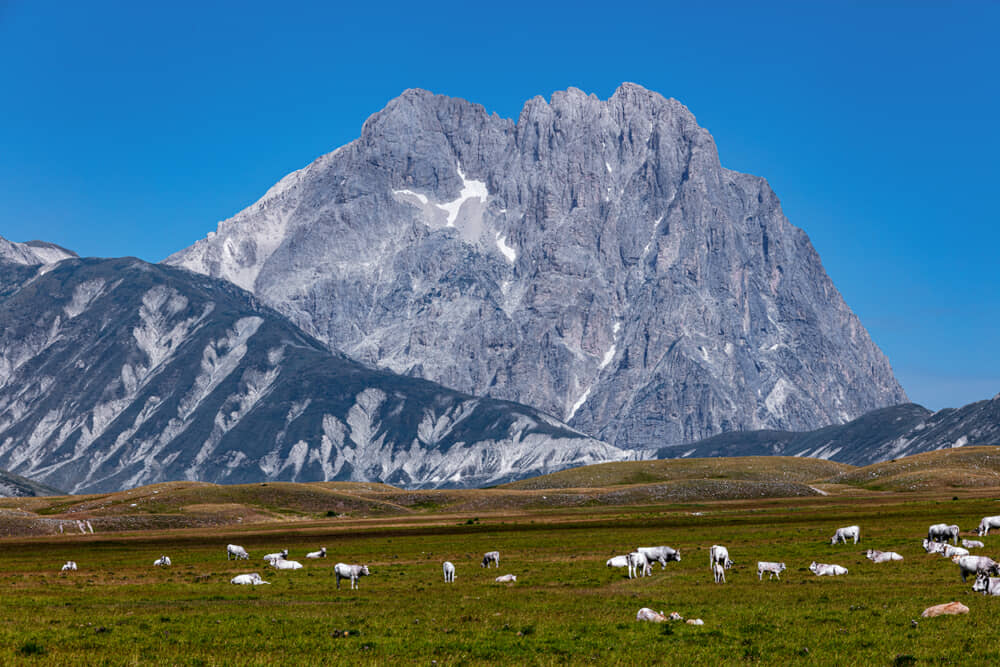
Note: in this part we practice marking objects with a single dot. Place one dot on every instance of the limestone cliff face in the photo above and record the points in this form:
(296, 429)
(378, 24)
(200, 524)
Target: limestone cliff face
(592, 259)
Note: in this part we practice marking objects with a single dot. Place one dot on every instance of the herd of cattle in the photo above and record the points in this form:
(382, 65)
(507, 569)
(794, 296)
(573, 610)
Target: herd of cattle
(639, 562)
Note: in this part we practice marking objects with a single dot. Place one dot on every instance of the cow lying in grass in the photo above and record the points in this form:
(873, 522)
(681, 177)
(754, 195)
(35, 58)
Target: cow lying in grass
(827, 570)
(251, 579)
(876, 556)
(506, 579)
(282, 564)
(317, 554)
(972, 544)
(162, 561)
(70, 565)
(647, 614)
(986, 584)
(617, 561)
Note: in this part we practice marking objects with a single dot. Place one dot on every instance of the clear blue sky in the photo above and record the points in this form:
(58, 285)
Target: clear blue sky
(132, 128)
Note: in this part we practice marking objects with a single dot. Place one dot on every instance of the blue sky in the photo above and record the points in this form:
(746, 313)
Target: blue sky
(133, 128)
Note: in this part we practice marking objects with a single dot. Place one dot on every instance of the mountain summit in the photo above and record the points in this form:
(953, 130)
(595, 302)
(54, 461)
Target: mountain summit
(592, 259)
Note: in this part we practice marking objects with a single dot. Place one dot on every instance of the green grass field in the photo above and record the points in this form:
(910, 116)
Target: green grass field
(566, 608)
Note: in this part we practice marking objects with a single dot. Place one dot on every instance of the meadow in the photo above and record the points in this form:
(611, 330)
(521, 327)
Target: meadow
(566, 607)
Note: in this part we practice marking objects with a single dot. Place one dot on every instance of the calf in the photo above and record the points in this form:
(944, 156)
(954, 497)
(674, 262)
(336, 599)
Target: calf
(987, 523)
(719, 572)
(846, 533)
(986, 584)
(876, 556)
(449, 572)
(638, 565)
(827, 570)
(976, 564)
(772, 569)
(661, 555)
(491, 557)
(942, 532)
(352, 572)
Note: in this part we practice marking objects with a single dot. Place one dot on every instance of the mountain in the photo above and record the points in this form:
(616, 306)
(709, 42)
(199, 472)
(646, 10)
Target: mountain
(15, 486)
(880, 435)
(32, 252)
(116, 373)
(592, 259)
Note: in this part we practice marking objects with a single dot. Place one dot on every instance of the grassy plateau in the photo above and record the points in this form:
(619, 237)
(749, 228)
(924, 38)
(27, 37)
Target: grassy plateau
(554, 533)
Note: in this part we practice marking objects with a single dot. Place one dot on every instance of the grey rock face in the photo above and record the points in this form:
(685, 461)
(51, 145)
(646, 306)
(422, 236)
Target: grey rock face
(880, 435)
(593, 260)
(116, 373)
(32, 252)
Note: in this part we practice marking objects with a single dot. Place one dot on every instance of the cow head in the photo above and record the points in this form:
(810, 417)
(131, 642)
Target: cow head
(982, 583)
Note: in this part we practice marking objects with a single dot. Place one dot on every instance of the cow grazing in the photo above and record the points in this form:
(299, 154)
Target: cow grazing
(69, 566)
(876, 556)
(933, 547)
(647, 614)
(237, 552)
(827, 570)
(491, 557)
(317, 554)
(352, 572)
(719, 573)
(972, 544)
(942, 532)
(506, 579)
(162, 561)
(276, 556)
(449, 572)
(950, 551)
(719, 554)
(282, 564)
(251, 579)
(772, 569)
(976, 564)
(986, 584)
(638, 565)
(946, 608)
(987, 523)
(847, 533)
(617, 561)
(661, 555)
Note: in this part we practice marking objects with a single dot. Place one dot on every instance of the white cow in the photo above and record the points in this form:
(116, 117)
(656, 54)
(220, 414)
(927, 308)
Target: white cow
(827, 570)
(719, 554)
(987, 523)
(933, 547)
(317, 554)
(719, 572)
(638, 565)
(942, 532)
(68, 566)
(449, 572)
(162, 561)
(248, 579)
(237, 552)
(876, 556)
(491, 557)
(661, 555)
(352, 572)
(772, 569)
(647, 614)
(282, 564)
(950, 551)
(847, 533)
(972, 544)
(617, 561)
(986, 584)
(506, 579)
(976, 564)
(276, 556)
